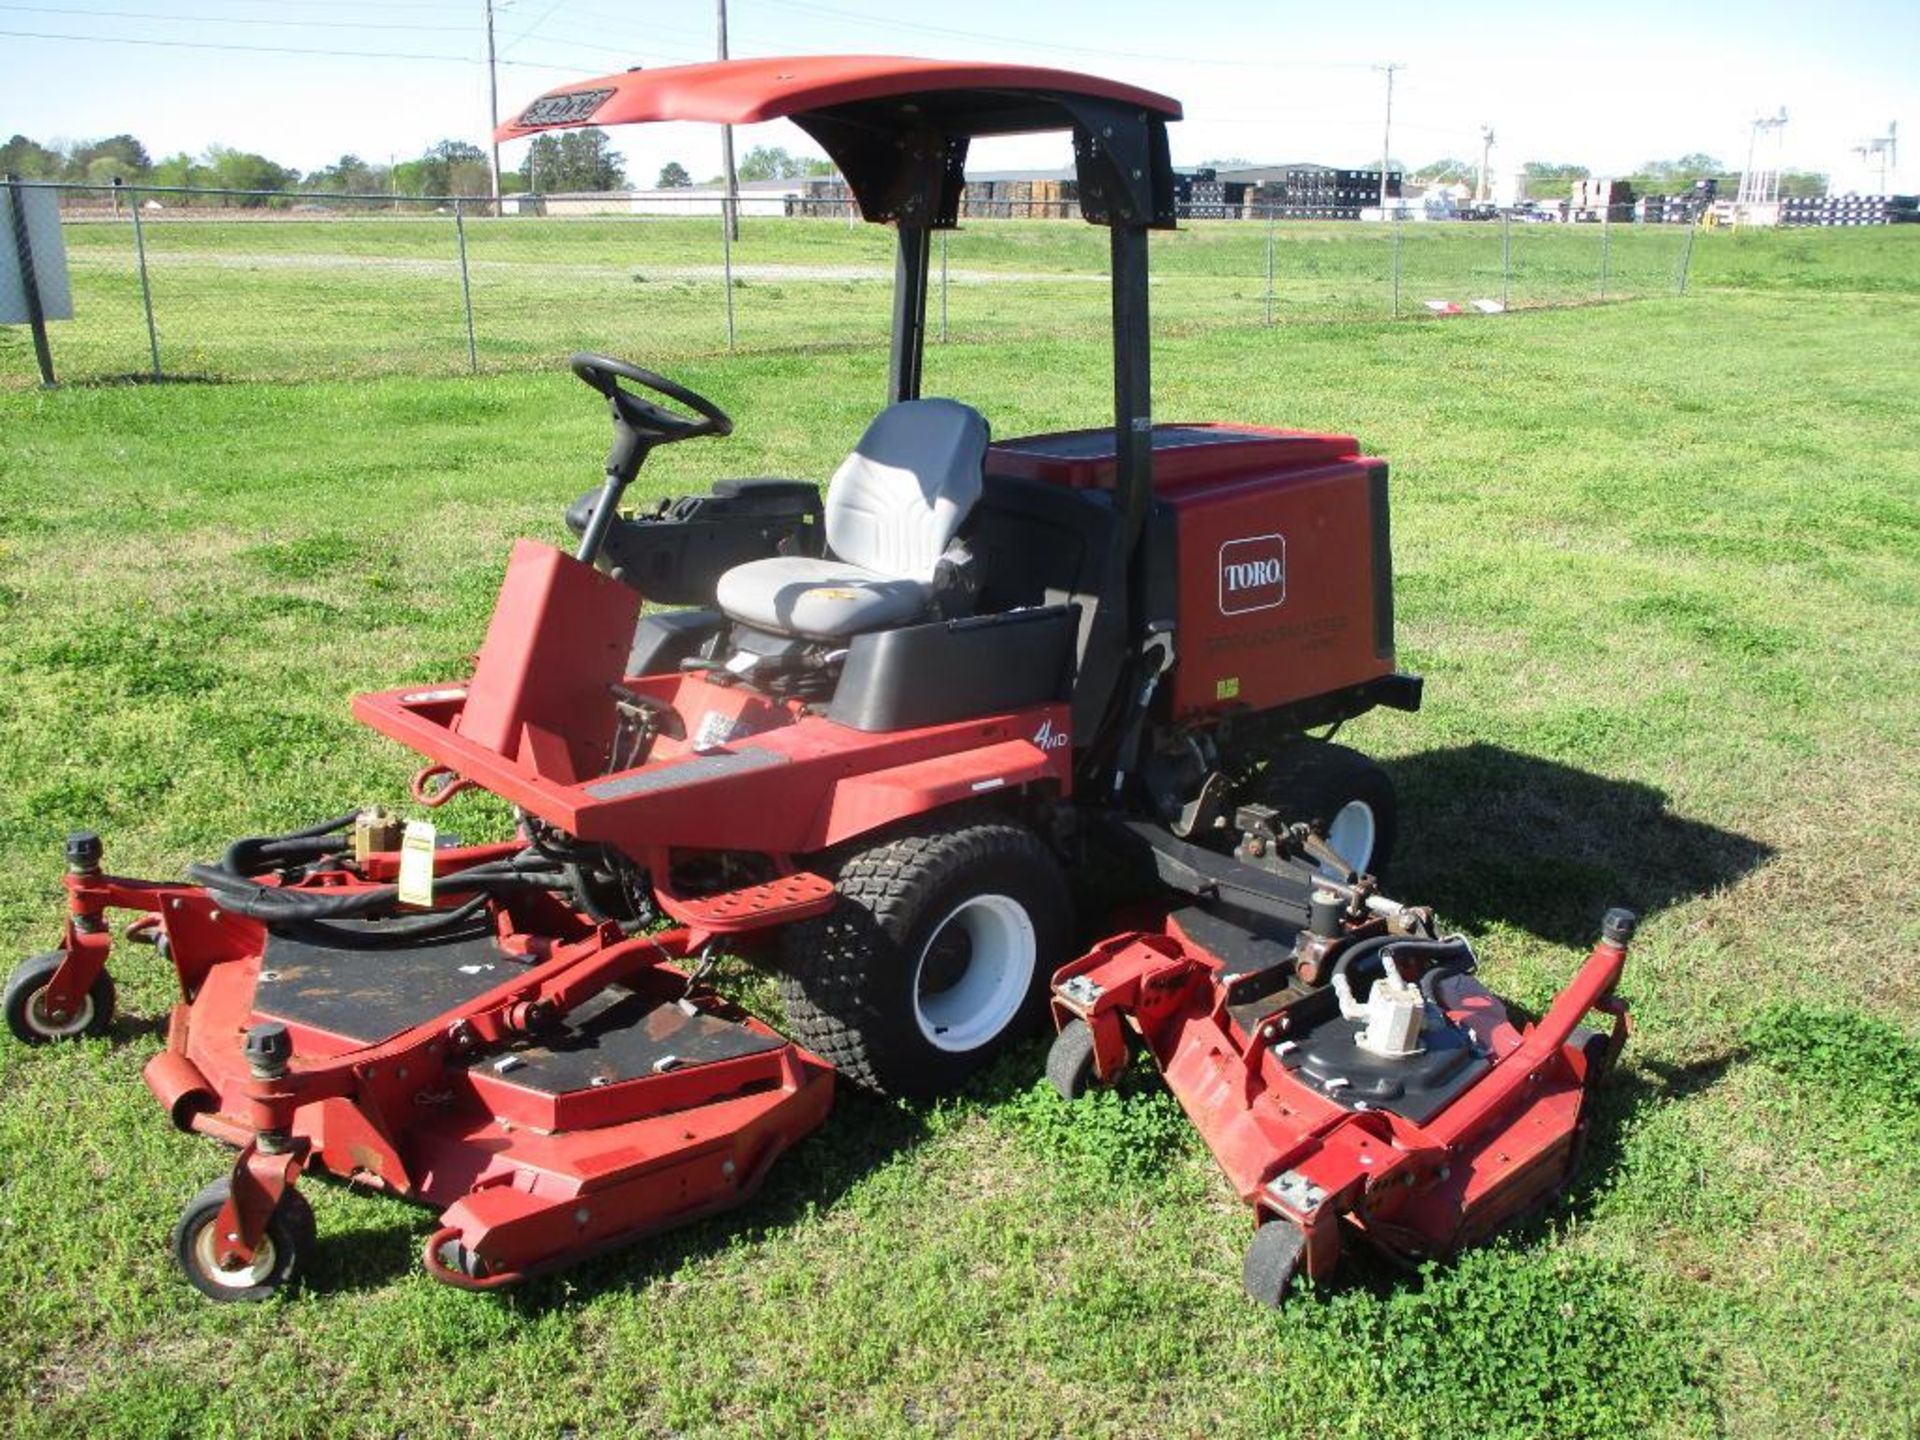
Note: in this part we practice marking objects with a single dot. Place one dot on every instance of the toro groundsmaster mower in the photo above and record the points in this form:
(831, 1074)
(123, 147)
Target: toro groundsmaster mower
(866, 739)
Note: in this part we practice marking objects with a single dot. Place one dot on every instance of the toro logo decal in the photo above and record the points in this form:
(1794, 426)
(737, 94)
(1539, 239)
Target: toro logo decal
(1253, 574)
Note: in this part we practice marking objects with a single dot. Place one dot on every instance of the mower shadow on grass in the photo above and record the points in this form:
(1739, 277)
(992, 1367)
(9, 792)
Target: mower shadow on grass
(1505, 838)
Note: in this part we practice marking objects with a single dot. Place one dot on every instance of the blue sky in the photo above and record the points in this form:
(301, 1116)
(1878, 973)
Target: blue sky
(1607, 86)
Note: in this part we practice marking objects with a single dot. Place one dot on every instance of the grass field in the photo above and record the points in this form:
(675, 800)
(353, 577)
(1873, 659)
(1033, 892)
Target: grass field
(1661, 566)
(309, 298)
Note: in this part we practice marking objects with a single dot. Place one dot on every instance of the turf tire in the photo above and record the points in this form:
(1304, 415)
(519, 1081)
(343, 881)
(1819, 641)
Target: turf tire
(848, 977)
(1313, 781)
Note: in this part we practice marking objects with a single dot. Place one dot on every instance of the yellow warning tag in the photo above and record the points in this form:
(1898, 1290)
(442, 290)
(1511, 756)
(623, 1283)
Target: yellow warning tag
(416, 864)
(833, 593)
(1227, 689)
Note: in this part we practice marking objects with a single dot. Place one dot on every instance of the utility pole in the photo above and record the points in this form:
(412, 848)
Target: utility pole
(1386, 143)
(1761, 186)
(1486, 151)
(493, 106)
(732, 203)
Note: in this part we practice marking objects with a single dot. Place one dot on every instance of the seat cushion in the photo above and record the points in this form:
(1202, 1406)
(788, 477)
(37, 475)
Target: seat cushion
(819, 599)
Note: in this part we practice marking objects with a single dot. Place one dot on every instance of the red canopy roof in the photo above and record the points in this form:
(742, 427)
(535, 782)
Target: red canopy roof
(743, 92)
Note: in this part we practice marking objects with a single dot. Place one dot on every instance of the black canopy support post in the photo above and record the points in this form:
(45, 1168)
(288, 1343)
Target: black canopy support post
(1132, 390)
(29, 281)
(909, 313)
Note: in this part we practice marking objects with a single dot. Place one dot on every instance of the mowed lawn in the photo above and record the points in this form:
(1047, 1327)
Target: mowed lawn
(1660, 564)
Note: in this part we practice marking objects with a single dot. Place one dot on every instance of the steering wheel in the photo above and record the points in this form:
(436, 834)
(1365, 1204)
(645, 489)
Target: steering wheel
(654, 424)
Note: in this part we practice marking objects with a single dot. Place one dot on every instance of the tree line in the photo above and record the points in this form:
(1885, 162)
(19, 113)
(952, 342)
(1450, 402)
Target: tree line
(585, 160)
(574, 160)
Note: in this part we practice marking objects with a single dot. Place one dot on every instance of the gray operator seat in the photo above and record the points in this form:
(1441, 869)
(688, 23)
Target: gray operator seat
(893, 507)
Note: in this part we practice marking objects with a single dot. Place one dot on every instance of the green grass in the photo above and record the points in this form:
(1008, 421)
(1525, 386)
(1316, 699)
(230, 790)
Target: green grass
(308, 298)
(1661, 566)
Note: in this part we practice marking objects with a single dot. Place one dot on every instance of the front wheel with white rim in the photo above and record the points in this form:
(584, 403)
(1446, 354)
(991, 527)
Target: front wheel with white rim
(34, 1021)
(1340, 793)
(278, 1260)
(936, 956)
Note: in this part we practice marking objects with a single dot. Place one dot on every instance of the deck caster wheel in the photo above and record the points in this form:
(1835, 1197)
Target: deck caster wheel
(283, 1254)
(1271, 1262)
(1070, 1060)
(33, 1023)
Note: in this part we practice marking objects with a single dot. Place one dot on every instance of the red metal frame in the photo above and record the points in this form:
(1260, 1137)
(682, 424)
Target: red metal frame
(1504, 1145)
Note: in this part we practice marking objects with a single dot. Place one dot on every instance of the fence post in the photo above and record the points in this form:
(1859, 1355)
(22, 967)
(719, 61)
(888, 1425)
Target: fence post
(1506, 261)
(943, 287)
(30, 282)
(1686, 256)
(726, 260)
(140, 254)
(1269, 265)
(466, 287)
(1396, 269)
(1606, 252)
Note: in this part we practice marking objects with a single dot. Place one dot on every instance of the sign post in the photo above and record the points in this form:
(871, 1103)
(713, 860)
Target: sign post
(33, 268)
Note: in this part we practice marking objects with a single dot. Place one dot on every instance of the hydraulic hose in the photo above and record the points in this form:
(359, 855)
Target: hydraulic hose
(257, 853)
(1443, 955)
(245, 896)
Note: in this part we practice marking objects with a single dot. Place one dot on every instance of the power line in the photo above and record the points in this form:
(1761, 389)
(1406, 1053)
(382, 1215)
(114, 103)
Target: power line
(439, 29)
(283, 50)
(1017, 40)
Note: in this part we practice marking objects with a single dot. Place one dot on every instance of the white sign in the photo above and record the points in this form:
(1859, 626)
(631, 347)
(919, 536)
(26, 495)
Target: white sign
(42, 210)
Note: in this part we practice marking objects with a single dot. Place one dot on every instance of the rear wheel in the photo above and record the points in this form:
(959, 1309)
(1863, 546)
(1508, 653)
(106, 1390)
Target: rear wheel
(31, 1019)
(1341, 793)
(937, 955)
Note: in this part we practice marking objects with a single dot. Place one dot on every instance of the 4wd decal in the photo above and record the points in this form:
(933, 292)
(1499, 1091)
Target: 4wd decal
(567, 109)
(1253, 574)
(1048, 738)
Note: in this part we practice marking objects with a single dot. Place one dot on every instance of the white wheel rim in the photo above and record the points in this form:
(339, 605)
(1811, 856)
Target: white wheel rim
(973, 1007)
(45, 1024)
(1352, 834)
(240, 1277)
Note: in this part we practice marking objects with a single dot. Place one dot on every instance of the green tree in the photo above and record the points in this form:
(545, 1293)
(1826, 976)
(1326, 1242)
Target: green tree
(29, 159)
(578, 160)
(452, 167)
(349, 173)
(128, 156)
(180, 170)
(673, 176)
(244, 170)
(1446, 172)
(1550, 180)
(771, 162)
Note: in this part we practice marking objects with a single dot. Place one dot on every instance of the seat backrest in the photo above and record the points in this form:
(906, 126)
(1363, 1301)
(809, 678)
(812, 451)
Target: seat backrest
(898, 499)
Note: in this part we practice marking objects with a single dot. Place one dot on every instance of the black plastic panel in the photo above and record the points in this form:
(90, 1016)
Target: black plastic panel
(678, 556)
(955, 669)
(664, 638)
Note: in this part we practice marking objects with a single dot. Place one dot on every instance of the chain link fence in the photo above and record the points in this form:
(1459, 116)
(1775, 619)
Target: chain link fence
(250, 285)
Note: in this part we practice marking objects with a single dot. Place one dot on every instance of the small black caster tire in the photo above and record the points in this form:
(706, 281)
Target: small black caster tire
(1271, 1262)
(27, 1015)
(282, 1257)
(462, 1261)
(1070, 1060)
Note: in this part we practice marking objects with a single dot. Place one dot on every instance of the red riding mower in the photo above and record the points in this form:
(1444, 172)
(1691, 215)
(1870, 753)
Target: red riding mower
(868, 743)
